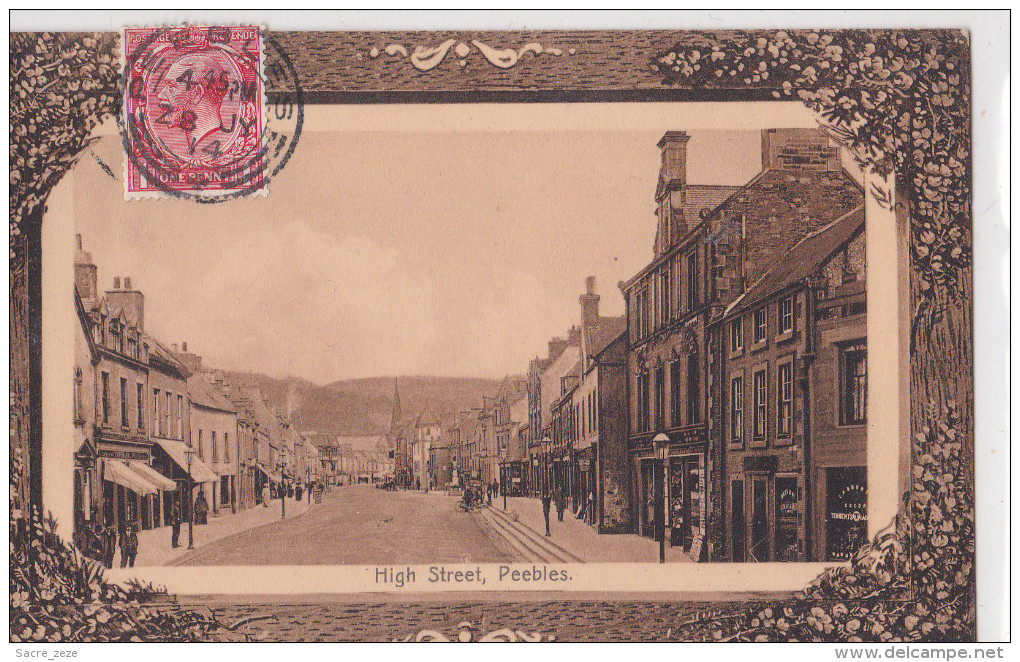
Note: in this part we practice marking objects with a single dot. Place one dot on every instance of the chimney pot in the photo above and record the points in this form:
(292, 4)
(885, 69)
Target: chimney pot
(116, 282)
(127, 283)
(174, 346)
(589, 285)
(77, 239)
(184, 346)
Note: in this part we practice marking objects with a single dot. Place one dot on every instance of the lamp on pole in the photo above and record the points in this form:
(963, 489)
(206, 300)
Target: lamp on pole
(283, 491)
(546, 494)
(189, 452)
(661, 445)
(504, 477)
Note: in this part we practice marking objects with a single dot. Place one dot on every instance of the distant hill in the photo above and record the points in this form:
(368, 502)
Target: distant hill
(363, 406)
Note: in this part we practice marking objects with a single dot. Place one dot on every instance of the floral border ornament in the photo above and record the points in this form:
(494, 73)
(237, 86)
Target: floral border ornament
(899, 100)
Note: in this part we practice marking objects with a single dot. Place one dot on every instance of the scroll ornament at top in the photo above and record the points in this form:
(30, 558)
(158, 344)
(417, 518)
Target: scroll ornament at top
(426, 58)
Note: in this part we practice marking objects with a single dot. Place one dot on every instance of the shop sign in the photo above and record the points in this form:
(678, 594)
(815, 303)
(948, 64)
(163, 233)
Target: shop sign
(123, 455)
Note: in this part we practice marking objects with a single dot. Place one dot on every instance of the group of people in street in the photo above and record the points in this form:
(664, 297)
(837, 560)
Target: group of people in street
(99, 540)
(296, 490)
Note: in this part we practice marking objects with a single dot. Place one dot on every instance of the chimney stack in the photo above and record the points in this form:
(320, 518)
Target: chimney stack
(132, 302)
(589, 304)
(85, 274)
(674, 159)
(116, 282)
(556, 347)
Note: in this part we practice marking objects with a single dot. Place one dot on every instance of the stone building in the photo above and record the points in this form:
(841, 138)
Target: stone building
(711, 242)
(214, 434)
(791, 359)
(544, 388)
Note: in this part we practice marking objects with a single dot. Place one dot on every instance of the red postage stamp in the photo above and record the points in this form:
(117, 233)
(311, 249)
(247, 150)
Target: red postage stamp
(194, 117)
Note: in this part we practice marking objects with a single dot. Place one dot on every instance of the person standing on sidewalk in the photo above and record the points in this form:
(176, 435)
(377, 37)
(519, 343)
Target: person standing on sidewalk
(175, 522)
(561, 503)
(201, 508)
(128, 546)
(265, 495)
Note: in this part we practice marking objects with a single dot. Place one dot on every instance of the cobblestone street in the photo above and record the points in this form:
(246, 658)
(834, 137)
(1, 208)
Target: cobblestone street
(360, 525)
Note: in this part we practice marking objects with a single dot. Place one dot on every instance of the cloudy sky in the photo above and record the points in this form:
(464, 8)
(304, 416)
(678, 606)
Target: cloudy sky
(391, 248)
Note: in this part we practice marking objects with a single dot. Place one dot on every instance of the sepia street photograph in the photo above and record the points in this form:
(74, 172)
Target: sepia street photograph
(507, 333)
(458, 346)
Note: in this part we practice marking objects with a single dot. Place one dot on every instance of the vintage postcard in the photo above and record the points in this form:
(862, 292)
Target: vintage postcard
(491, 336)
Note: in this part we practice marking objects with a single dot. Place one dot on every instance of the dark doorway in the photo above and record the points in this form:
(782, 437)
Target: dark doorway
(759, 520)
(738, 523)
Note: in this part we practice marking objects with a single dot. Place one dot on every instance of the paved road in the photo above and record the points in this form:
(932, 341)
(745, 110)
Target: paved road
(360, 525)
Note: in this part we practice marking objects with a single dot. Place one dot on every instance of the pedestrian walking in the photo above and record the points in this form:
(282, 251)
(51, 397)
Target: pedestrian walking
(108, 536)
(298, 492)
(561, 503)
(546, 507)
(175, 523)
(201, 508)
(266, 496)
(128, 546)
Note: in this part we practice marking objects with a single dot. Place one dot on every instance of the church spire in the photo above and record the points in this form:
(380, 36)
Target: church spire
(397, 417)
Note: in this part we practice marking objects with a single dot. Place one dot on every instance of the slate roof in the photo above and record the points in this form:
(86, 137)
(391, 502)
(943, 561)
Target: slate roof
(704, 196)
(203, 394)
(804, 258)
(606, 331)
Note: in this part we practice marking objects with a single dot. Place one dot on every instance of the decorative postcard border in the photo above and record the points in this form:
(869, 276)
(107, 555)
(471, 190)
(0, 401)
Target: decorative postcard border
(898, 100)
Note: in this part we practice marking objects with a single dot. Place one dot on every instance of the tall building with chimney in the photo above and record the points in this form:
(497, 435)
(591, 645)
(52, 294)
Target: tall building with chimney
(711, 243)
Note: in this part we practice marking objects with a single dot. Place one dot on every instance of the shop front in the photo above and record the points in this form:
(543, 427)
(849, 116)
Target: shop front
(846, 511)
(766, 510)
(682, 487)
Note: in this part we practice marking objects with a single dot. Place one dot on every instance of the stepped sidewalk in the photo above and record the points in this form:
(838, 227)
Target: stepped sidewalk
(154, 544)
(584, 541)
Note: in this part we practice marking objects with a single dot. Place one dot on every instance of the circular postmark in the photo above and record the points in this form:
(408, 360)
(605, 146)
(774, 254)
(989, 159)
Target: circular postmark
(197, 122)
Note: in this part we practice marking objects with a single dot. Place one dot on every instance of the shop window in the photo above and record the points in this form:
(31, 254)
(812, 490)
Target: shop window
(786, 314)
(736, 335)
(760, 325)
(784, 421)
(737, 409)
(854, 384)
(760, 403)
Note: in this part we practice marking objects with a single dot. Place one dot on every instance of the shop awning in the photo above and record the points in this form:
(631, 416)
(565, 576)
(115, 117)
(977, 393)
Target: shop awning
(272, 475)
(153, 476)
(117, 472)
(200, 473)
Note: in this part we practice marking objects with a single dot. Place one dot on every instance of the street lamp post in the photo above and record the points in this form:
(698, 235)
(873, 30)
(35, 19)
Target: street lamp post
(191, 506)
(546, 493)
(283, 491)
(661, 445)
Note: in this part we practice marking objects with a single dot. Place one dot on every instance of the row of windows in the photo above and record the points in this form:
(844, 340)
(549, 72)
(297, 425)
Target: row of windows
(113, 335)
(853, 393)
(663, 297)
(581, 421)
(685, 405)
(214, 446)
(759, 324)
